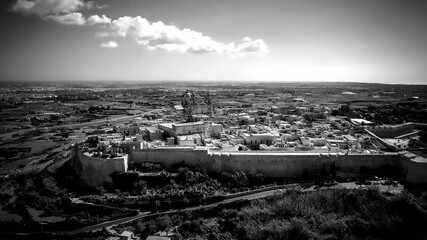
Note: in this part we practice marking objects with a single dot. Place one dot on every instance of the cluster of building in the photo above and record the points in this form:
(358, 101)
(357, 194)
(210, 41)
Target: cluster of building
(281, 128)
(295, 129)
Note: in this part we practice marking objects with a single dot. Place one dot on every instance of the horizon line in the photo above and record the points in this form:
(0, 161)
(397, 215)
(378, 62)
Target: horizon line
(110, 81)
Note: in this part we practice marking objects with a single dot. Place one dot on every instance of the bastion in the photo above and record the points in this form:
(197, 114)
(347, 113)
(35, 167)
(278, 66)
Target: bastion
(96, 171)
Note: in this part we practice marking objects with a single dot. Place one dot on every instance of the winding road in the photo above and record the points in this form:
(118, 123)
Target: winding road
(140, 215)
(254, 194)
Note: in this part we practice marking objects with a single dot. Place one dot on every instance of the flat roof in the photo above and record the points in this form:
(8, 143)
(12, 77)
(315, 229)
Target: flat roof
(178, 107)
(166, 125)
(187, 124)
(360, 121)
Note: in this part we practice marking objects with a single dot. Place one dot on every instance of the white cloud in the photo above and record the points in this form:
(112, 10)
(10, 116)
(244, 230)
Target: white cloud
(61, 11)
(68, 19)
(95, 19)
(110, 44)
(249, 46)
(48, 7)
(158, 35)
(151, 35)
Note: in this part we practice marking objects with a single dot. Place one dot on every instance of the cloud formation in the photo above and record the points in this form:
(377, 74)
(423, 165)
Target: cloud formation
(61, 11)
(250, 45)
(158, 35)
(68, 19)
(95, 19)
(48, 7)
(110, 44)
(150, 35)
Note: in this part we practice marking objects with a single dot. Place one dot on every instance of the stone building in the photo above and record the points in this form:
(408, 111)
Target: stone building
(206, 129)
(192, 106)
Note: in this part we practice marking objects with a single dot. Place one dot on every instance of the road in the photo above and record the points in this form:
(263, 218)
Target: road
(249, 196)
(263, 194)
(252, 196)
(140, 215)
(80, 125)
(100, 226)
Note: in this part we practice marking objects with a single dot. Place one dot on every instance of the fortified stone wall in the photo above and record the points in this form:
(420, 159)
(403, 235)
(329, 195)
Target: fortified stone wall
(270, 164)
(414, 172)
(96, 171)
(392, 131)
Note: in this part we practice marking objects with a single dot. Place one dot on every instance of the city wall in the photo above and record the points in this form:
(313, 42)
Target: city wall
(415, 172)
(270, 164)
(96, 171)
(392, 131)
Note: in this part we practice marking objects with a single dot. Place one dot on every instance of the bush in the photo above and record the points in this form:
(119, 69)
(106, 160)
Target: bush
(328, 214)
(146, 167)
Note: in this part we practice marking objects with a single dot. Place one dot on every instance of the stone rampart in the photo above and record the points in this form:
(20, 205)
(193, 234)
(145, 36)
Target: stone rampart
(415, 172)
(96, 171)
(270, 164)
(392, 131)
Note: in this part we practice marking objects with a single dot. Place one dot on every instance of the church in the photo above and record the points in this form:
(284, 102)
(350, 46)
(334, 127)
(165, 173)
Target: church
(191, 106)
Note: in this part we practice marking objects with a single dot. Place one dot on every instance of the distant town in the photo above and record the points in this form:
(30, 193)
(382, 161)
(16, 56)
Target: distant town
(160, 160)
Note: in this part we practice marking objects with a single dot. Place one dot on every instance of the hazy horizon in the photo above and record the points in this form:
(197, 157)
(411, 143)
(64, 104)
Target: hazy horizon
(196, 82)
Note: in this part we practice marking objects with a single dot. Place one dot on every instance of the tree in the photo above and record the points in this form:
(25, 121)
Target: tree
(64, 135)
(139, 227)
(164, 222)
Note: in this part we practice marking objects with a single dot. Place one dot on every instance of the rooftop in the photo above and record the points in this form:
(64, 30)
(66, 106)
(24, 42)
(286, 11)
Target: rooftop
(187, 124)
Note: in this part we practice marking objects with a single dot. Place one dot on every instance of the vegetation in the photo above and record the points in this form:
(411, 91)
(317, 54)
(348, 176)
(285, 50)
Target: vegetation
(164, 190)
(327, 214)
(41, 192)
(145, 167)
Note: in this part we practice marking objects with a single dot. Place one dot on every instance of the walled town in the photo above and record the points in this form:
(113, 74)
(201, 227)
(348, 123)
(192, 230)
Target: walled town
(74, 156)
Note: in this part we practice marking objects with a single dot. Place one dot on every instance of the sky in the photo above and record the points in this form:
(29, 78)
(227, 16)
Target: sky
(382, 41)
